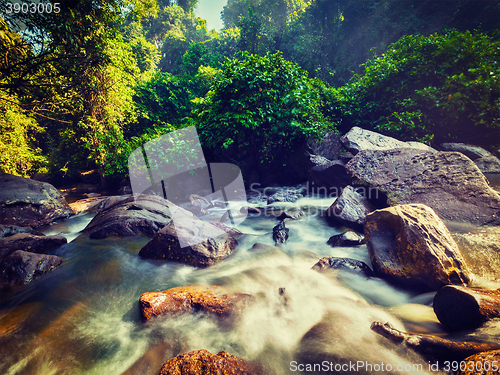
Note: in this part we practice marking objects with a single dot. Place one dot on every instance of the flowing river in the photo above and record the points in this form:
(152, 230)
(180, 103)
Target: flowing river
(83, 318)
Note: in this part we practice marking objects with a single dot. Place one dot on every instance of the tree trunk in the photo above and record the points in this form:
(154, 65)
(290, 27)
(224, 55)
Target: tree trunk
(460, 308)
(433, 348)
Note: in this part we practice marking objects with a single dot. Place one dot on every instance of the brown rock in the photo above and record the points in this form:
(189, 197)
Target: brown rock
(432, 348)
(144, 215)
(410, 245)
(202, 362)
(27, 202)
(485, 363)
(184, 299)
(95, 205)
(459, 308)
(448, 182)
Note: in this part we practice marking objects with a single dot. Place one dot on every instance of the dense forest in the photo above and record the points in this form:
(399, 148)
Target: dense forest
(84, 86)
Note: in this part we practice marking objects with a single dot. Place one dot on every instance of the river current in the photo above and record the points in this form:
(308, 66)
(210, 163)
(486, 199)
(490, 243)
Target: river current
(83, 318)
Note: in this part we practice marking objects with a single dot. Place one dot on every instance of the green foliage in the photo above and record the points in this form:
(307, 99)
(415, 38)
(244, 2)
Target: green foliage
(443, 86)
(18, 155)
(259, 109)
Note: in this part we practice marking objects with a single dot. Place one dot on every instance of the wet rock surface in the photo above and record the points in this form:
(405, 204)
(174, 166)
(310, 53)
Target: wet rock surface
(459, 308)
(29, 242)
(96, 204)
(26, 202)
(210, 244)
(22, 267)
(448, 182)
(188, 299)
(10, 230)
(350, 209)
(410, 245)
(345, 264)
(145, 215)
(348, 238)
(203, 362)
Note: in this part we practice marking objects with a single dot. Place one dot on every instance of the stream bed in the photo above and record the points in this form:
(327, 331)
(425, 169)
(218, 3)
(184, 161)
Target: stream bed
(83, 318)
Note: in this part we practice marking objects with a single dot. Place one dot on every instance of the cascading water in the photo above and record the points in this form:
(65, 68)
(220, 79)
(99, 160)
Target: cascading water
(83, 317)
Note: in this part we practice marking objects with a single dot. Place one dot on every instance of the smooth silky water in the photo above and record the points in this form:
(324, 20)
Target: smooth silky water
(83, 318)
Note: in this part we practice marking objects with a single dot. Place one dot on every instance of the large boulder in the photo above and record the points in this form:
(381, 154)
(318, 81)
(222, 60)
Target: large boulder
(22, 267)
(358, 139)
(410, 245)
(205, 363)
(350, 208)
(448, 182)
(142, 215)
(188, 299)
(488, 164)
(472, 152)
(327, 173)
(191, 241)
(26, 202)
(95, 204)
(328, 147)
(29, 242)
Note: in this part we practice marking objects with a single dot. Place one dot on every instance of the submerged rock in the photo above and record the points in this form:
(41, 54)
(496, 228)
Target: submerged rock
(448, 182)
(346, 264)
(350, 209)
(210, 243)
(410, 245)
(144, 215)
(205, 363)
(459, 308)
(22, 267)
(27, 202)
(188, 299)
(348, 238)
(280, 233)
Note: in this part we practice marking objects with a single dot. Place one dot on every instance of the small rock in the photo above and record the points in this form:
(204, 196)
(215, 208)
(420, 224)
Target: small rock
(350, 209)
(345, 264)
(348, 238)
(280, 233)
